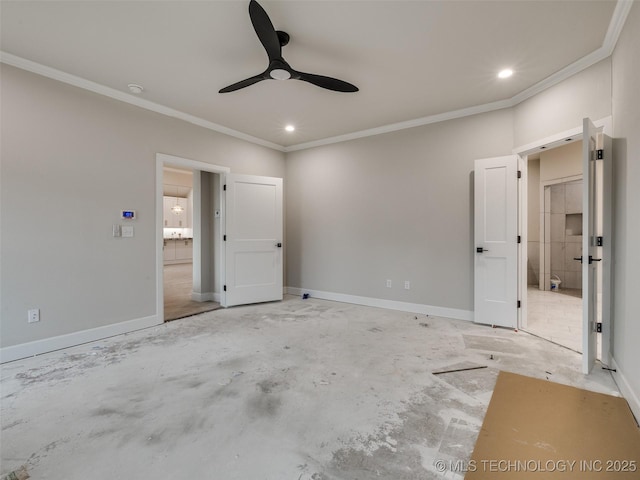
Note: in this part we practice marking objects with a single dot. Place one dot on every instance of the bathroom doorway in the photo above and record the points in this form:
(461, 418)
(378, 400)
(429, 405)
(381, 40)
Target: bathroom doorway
(554, 270)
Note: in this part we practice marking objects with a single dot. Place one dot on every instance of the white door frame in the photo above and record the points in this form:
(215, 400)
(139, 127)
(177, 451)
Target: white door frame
(164, 160)
(543, 185)
(522, 245)
(556, 140)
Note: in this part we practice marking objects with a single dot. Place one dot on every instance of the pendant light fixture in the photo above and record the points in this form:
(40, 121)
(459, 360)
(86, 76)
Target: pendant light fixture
(177, 208)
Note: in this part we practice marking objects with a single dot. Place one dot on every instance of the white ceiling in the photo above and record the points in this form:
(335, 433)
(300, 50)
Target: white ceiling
(410, 59)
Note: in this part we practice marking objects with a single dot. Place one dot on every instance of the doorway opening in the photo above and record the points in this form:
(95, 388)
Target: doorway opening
(179, 269)
(554, 245)
(595, 255)
(188, 216)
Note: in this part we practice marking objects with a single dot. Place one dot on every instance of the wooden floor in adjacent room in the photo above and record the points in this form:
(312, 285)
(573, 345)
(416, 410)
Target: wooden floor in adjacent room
(178, 285)
(302, 389)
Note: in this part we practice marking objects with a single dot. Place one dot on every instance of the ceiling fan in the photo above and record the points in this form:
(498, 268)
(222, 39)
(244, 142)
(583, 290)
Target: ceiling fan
(273, 40)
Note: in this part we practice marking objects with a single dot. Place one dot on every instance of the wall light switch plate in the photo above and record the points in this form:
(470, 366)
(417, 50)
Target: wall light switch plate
(127, 231)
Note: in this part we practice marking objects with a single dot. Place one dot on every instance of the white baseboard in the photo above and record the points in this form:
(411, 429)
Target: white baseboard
(389, 304)
(38, 347)
(205, 297)
(626, 390)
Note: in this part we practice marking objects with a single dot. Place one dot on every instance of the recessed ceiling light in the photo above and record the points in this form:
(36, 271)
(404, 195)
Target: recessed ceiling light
(137, 89)
(289, 128)
(506, 73)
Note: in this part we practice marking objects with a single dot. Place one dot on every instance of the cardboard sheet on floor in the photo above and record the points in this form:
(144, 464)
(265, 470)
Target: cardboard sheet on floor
(536, 429)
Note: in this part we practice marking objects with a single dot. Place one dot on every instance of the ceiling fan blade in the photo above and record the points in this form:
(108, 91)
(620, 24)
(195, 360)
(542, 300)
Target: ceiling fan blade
(265, 31)
(327, 82)
(243, 83)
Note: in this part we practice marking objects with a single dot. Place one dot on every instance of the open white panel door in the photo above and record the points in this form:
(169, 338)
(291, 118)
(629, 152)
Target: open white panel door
(596, 245)
(496, 241)
(253, 240)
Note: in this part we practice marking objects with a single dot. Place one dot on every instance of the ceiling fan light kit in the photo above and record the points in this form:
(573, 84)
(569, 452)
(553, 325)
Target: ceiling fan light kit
(273, 40)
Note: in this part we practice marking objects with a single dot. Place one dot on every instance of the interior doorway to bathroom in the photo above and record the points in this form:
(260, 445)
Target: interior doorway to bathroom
(554, 270)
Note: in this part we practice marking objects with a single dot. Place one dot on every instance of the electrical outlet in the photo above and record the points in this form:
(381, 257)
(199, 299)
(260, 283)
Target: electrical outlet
(407, 285)
(389, 283)
(33, 315)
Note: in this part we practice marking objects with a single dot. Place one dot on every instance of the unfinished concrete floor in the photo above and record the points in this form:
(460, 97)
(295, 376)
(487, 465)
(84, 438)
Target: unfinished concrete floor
(298, 389)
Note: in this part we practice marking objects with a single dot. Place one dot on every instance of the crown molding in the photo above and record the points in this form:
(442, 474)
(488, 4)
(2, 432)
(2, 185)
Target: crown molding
(614, 30)
(94, 87)
(620, 14)
(394, 127)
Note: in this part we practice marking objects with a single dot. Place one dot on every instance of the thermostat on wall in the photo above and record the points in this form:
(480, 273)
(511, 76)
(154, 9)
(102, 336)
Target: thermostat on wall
(128, 214)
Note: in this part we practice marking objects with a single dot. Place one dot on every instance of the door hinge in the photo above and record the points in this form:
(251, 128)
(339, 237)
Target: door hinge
(519, 304)
(224, 288)
(599, 154)
(224, 187)
(224, 238)
(519, 239)
(599, 327)
(519, 173)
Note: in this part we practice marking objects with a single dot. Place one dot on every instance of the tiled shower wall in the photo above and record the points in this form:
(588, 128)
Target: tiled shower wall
(563, 234)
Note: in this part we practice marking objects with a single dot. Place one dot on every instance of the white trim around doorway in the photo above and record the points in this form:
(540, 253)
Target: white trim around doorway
(164, 160)
(605, 126)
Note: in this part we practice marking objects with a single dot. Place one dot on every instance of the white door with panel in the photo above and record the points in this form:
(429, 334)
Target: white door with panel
(496, 241)
(253, 240)
(596, 244)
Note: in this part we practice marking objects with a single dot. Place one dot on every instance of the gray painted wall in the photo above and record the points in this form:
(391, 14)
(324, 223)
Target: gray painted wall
(626, 126)
(396, 206)
(71, 160)
(563, 106)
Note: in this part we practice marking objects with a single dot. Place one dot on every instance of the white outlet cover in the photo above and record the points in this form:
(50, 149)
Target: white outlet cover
(127, 231)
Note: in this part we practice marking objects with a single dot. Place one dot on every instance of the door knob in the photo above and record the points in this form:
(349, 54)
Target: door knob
(579, 259)
(480, 250)
(591, 259)
(279, 245)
